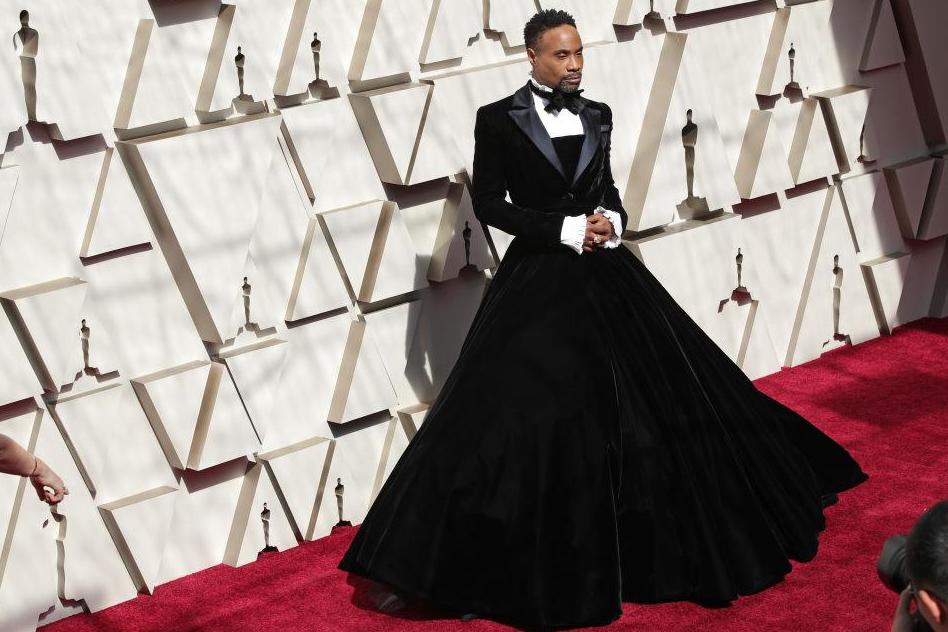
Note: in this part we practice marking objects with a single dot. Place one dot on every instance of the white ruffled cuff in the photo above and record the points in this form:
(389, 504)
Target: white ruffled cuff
(616, 220)
(573, 231)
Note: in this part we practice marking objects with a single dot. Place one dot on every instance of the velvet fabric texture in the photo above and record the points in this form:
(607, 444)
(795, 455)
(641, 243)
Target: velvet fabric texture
(592, 444)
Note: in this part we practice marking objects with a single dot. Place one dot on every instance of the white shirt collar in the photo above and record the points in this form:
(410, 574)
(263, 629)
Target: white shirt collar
(543, 88)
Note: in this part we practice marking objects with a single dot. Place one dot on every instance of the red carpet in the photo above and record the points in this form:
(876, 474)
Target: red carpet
(885, 400)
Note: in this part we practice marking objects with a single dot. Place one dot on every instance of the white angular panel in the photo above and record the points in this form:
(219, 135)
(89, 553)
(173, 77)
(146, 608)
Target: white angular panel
(139, 525)
(883, 44)
(396, 440)
(451, 24)
(17, 379)
(223, 430)
(663, 169)
(892, 100)
(908, 185)
(845, 110)
(58, 213)
(298, 66)
(318, 285)
(50, 315)
(696, 6)
(172, 399)
(164, 89)
(392, 120)
(928, 19)
(203, 516)
(749, 134)
(301, 471)
(389, 38)
(835, 275)
(762, 166)
(112, 441)
(412, 417)
(392, 331)
(508, 17)
(873, 216)
(205, 236)
(140, 307)
(117, 219)
(93, 570)
(804, 133)
(808, 27)
(362, 387)
(259, 28)
(886, 279)
(376, 250)
(256, 370)
(357, 459)
(332, 179)
(593, 18)
(260, 523)
(305, 391)
(290, 252)
(935, 217)
(446, 146)
(777, 246)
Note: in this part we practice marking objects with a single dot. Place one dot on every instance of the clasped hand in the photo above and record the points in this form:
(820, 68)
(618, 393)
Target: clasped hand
(597, 224)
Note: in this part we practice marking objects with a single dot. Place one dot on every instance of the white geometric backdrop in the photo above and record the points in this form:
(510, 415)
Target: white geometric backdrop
(215, 299)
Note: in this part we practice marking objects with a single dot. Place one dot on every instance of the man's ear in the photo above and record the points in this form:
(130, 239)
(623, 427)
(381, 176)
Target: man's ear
(931, 605)
(531, 56)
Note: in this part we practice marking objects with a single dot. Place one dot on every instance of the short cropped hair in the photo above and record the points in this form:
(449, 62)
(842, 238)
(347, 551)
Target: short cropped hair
(543, 21)
(926, 551)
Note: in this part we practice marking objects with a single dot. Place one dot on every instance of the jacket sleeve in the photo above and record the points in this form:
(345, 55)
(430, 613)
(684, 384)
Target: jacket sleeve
(489, 191)
(611, 199)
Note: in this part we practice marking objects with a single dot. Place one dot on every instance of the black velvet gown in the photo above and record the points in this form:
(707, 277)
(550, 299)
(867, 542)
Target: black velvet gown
(593, 445)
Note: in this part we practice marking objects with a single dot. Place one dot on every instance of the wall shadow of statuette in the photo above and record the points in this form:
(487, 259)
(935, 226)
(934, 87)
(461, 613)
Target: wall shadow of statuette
(792, 90)
(340, 489)
(691, 207)
(26, 45)
(85, 336)
(863, 158)
(468, 267)
(653, 20)
(740, 294)
(838, 339)
(265, 521)
(71, 604)
(244, 103)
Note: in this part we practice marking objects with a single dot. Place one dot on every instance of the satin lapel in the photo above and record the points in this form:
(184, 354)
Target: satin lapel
(590, 117)
(524, 114)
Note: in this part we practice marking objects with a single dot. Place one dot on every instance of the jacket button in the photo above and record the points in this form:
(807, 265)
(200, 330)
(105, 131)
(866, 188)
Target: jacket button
(568, 196)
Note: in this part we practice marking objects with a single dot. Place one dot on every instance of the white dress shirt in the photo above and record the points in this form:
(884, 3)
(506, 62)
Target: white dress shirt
(566, 123)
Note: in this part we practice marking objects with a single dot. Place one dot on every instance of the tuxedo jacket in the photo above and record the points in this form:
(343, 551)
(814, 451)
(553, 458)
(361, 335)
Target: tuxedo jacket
(513, 154)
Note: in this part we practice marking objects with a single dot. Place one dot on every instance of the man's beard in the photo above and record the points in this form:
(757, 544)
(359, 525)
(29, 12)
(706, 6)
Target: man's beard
(565, 86)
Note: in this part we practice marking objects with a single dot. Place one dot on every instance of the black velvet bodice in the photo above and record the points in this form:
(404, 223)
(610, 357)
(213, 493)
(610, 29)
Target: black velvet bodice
(568, 149)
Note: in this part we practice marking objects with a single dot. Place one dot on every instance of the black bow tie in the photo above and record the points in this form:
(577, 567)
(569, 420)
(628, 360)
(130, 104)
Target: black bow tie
(558, 99)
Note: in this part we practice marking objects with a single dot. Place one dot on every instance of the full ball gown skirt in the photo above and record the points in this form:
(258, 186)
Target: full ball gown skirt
(593, 445)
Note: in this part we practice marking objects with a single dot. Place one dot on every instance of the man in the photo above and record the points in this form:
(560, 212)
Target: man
(585, 408)
(15, 460)
(926, 556)
(516, 150)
